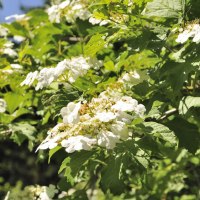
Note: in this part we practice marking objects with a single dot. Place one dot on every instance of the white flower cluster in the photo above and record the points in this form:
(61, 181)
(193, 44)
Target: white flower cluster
(3, 31)
(7, 49)
(17, 17)
(130, 2)
(192, 30)
(93, 20)
(48, 193)
(16, 66)
(113, 18)
(70, 10)
(39, 192)
(101, 21)
(18, 38)
(13, 68)
(130, 77)
(103, 121)
(3, 105)
(74, 68)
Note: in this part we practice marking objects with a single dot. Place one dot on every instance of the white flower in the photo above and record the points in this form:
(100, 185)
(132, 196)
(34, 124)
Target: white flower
(124, 117)
(3, 105)
(17, 17)
(78, 67)
(105, 116)
(8, 44)
(45, 77)
(96, 64)
(120, 129)
(48, 192)
(104, 22)
(107, 139)
(61, 67)
(54, 13)
(79, 11)
(52, 139)
(16, 66)
(76, 143)
(191, 31)
(63, 195)
(3, 31)
(126, 103)
(80, 63)
(196, 31)
(104, 121)
(7, 71)
(71, 10)
(84, 14)
(10, 52)
(130, 2)
(140, 110)
(70, 113)
(49, 143)
(54, 131)
(94, 20)
(30, 78)
(44, 196)
(130, 77)
(64, 4)
(74, 68)
(8, 49)
(18, 38)
(183, 37)
(101, 22)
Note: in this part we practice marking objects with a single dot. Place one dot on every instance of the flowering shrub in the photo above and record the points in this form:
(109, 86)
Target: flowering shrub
(108, 91)
(103, 121)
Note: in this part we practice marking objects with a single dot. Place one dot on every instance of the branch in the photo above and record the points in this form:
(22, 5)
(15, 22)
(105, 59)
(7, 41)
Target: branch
(168, 113)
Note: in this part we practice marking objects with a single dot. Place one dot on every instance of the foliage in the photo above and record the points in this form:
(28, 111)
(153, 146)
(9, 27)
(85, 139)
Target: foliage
(116, 85)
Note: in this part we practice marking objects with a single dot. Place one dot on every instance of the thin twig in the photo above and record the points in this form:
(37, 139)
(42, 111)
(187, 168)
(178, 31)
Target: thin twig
(168, 113)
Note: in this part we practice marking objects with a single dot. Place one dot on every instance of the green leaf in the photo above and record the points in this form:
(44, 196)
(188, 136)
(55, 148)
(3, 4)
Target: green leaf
(142, 158)
(188, 102)
(83, 84)
(63, 185)
(64, 164)
(143, 60)
(78, 159)
(5, 118)
(19, 112)
(164, 8)
(22, 131)
(170, 71)
(160, 131)
(74, 163)
(111, 176)
(37, 16)
(187, 133)
(13, 101)
(17, 29)
(148, 143)
(109, 65)
(95, 44)
(53, 151)
(97, 29)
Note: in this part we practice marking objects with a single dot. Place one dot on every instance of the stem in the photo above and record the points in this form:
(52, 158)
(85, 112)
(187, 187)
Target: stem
(168, 113)
(73, 86)
(59, 48)
(81, 39)
(194, 82)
